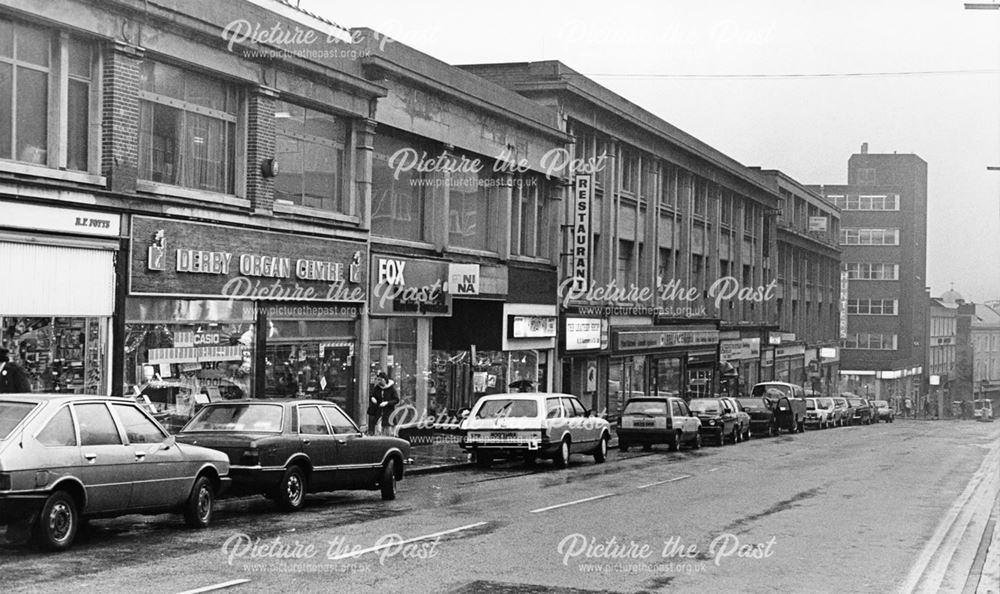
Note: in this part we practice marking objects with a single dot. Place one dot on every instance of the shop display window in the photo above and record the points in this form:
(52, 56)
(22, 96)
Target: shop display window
(458, 380)
(59, 354)
(182, 354)
(394, 349)
(668, 376)
(310, 359)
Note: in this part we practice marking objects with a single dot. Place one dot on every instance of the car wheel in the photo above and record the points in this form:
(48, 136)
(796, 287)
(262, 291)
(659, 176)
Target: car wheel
(198, 509)
(735, 438)
(772, 430)
(697, 441)
(562, 456)
(675, 445)
(746, 436)
(602, 450)
(56, 526)
(291, 494)
(387, 482)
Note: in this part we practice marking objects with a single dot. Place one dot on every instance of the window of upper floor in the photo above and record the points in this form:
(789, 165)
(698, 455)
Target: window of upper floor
(311, 146)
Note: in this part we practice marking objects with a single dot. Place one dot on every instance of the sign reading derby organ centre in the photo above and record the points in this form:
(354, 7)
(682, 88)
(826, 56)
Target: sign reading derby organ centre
(206, 260)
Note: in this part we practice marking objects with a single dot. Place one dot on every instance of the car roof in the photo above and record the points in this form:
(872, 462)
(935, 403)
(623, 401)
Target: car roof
(36, 398)
(281, 402)
(524, 396)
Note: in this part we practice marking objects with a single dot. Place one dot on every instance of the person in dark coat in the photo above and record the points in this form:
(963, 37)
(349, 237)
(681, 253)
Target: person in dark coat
(381, 404)
(13, 380)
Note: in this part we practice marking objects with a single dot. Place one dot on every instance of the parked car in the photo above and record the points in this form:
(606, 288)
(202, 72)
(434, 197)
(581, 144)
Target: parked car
(651, 420)
(718, 419)
(882, 411)
(790, 404)
(285, 449)
(533, 425)
(861, 412)
(742, 418)
(819, 413)
(762, 417)
(982, 410)
(66, 457)
(841, 405)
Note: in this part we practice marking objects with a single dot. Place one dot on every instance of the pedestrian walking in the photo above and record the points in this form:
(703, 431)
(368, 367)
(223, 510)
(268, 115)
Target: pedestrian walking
(13, 380)
(907, 407)
(382, 403)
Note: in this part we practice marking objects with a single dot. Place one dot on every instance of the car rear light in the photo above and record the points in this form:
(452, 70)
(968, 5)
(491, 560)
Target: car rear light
(250, 458)
(5, 482)
(670, 423)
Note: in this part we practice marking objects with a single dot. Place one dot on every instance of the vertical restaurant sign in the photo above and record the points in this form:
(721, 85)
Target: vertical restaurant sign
(844, 282)
(581, 247)
(175, 258)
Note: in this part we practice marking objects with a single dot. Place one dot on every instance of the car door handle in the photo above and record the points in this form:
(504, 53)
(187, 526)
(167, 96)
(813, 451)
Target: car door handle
(305, 442)
(90, 457)
(341, 441)
(140, 456)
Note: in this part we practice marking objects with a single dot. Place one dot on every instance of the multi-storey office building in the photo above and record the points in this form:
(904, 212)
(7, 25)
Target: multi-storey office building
(661, 240)
(883, 237)
(808, 290)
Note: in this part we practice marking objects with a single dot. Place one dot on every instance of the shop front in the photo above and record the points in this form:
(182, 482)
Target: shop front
(217, 312)
(57, 303)
(743, 354)
(406, 295)
(790, 364)
(530, 327)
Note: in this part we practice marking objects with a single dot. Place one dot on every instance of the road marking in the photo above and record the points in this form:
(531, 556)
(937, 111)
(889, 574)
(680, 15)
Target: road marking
(712, 469)
(542, 509)
(676, 478)
(355, 554)
(221, 586)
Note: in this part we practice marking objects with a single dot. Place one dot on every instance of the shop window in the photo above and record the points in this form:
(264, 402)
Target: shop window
(31, 66)
(96, 425)
(180, 354)
(311, 150)
(394, 350)
(399, 198)
(59, 431)
(310, 359)
(668, 376)
(59, 354)
(187, 129)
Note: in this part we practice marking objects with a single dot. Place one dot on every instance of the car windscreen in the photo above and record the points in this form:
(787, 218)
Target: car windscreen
(705, 406)
(752, 403)
(881, 403)
(646, 407)
(254, 418)
(856, 402)
(507, 407)
(12, 413)
(769, 390)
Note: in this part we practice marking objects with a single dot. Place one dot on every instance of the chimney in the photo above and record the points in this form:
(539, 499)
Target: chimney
(864, 148)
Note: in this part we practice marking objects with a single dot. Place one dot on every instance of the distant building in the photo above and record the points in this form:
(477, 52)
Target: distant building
(883, 235)
(979, 346)
(942, 347)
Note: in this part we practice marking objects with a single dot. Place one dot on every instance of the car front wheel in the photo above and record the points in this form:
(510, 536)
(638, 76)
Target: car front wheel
(697, 441)
(387, 482)
(57, 524)
(291, 494)
(198, 510)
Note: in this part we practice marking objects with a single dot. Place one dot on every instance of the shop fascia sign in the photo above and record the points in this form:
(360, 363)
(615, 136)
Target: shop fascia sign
(183, 258)
(463, 279)
(739, 349)
(646, 339)
(725, 289)
(406, 286)
(63, 220)
(532, 326)
(583, 334)
(790, 351)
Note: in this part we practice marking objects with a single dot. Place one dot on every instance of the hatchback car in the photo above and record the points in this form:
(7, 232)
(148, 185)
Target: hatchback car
(718, 419)
(651, 420)
(819, 413)
(284, 449)
(67, 457)
(882, 411)
(533, 425)
(861, 412)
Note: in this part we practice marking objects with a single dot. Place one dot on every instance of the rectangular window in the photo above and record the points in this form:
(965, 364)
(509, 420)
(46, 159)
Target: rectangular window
(31, 73)
(872, 307)
(870, 342)
(855, 236)
(625, 273)
(471, 200)
(700, 207)
(866, 176)
(664, 266)
(311, 152)
(399, 199)
(630, 172)
(529, 211)
(187, 129)
(872, 271)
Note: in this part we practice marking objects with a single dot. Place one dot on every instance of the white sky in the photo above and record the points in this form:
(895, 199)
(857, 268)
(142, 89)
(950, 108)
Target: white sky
(807, 127)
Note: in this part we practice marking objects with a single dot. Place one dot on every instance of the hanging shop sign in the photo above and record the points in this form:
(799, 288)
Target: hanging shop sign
(404, 286)
(583, 334)
(463, 279)
(739, 349)
(531, 326)
(844, 282)
(580, 255)
(176, 258)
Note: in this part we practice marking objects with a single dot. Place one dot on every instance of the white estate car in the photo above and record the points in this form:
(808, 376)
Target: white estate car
(533, 425)
(819, 412)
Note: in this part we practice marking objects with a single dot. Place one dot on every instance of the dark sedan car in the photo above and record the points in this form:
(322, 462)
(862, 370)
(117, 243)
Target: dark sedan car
(718, 419)
(762, 418)
(861, 412)
(286, 448)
